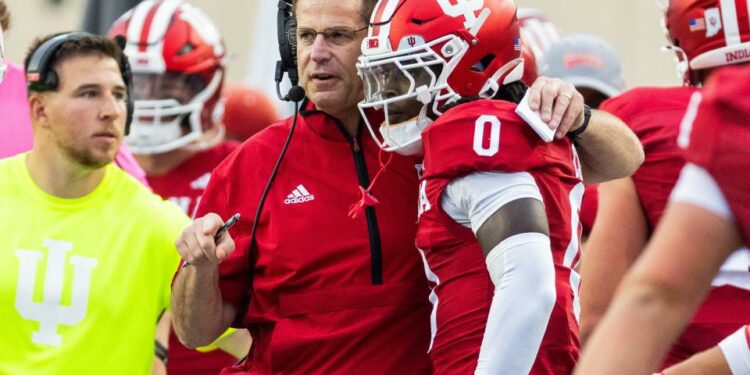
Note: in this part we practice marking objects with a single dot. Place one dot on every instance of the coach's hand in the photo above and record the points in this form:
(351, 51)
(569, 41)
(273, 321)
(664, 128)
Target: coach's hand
(559, 103)
(196, 243)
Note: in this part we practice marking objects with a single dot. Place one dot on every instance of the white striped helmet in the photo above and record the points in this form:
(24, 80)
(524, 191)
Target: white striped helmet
(177, 57)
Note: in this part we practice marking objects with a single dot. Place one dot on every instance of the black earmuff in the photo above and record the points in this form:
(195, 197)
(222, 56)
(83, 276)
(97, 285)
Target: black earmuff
(41, 77)
(286, 31)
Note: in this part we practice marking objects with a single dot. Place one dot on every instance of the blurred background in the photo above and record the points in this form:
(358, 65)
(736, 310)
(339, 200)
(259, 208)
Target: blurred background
(249, 30)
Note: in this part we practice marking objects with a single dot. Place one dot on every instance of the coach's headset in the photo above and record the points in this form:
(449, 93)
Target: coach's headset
(286, 32)
(41, 77)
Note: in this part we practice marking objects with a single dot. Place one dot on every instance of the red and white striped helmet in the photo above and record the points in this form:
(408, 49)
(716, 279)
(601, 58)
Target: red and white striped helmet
(708, 33)
(537, 31)
(443, 50)
(177, 57)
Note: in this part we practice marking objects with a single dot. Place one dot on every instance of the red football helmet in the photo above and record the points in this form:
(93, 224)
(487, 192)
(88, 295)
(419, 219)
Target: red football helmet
(246, 112)
(439, 51)
(177, 57)
(707, 33)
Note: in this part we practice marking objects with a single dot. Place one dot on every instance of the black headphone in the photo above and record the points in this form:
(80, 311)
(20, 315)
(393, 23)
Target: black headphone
(286, 30)
(41, 77)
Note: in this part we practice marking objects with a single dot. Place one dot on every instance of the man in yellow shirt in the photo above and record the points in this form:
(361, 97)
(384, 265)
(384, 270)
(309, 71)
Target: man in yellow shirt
(86, 252)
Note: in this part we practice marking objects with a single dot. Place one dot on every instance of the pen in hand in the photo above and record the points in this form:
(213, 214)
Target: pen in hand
(223, 229)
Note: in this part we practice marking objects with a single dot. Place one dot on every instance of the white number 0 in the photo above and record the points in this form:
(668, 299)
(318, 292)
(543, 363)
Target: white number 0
(464, 8)
(479, 129)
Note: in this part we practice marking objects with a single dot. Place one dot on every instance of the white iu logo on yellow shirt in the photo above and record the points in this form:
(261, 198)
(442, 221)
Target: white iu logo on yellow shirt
(50, 313)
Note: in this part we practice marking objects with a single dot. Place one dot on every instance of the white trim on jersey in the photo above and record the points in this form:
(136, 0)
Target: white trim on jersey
(697, 187)
(736, 352)
(472, 199)
(434, 300)
(522, 269)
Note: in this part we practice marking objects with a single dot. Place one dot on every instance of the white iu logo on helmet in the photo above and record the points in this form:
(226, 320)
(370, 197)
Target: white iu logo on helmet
(464, 8)
(50, 313)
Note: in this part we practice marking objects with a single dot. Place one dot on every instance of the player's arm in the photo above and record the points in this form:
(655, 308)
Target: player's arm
(619, 235)
(608, 148)
(200, 314)
(730, 357)
(667, 283)
(506, 212)
(161, 344)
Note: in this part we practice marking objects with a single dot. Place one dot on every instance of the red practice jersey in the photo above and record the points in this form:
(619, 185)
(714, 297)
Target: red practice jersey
(720, 140)
(486, 136)
(654, 115)
(184, 186)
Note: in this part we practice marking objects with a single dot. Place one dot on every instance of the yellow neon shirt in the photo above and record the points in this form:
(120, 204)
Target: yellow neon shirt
(82, 281)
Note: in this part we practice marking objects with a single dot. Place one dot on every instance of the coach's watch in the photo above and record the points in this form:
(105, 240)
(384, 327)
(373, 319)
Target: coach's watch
(576, 134)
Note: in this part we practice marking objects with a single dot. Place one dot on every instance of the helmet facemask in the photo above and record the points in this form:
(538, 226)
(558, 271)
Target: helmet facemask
(410, 86)
(168, 109)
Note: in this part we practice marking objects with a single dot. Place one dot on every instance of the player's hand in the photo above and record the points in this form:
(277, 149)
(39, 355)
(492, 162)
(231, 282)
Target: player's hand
(196, 243)
(559, 103)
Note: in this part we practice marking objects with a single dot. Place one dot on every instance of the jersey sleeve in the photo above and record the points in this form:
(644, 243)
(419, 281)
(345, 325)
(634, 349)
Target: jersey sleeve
(472, 199)
(697, 187)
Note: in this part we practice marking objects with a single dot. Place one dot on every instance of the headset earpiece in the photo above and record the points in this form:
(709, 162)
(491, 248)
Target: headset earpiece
(286, 31)
(127, 78)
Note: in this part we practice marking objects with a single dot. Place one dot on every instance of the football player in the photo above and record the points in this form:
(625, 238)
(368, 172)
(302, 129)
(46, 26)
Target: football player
(705, 34)
(707, 219)
(498, 225)
(178, 59)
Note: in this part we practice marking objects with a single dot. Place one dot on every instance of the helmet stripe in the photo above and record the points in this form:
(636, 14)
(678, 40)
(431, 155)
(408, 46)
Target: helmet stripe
(729, 22)
(146, 26)
(162, 19)
(135, 26)
(743, 11)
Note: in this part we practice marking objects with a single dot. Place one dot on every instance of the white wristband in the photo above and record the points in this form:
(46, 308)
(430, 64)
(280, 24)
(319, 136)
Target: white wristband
(736, 352)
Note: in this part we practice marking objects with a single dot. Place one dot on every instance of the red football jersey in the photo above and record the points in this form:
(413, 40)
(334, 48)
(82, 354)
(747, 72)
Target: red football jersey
(184, 186)
(464, 140)
(720, 140)
(654, 114)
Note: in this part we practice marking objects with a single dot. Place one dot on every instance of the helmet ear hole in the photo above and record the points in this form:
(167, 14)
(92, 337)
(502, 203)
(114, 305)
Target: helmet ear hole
(186, 49)
(483, 63)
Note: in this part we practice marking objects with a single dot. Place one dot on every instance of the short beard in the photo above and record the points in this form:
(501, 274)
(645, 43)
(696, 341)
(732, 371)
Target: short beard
(84, 157)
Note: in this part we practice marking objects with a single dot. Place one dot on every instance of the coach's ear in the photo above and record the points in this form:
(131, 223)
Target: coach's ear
(38, 103)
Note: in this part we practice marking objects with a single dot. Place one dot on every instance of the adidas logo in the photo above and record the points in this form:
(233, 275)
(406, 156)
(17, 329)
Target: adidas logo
(299, 195)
